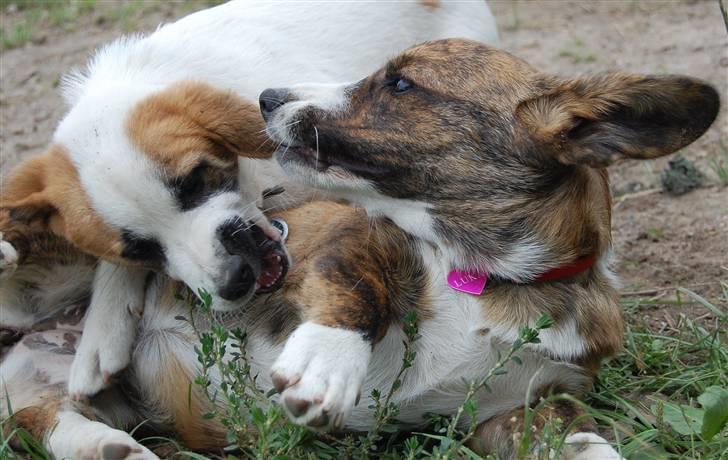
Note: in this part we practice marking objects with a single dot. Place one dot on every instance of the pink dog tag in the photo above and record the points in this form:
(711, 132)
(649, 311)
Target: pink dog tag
(469, 282)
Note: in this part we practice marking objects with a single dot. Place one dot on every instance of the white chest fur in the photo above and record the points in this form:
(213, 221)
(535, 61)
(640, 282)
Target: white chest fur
(457, 345)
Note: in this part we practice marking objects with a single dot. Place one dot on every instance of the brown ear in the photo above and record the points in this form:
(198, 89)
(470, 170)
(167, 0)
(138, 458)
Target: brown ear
(24, 192)
(44, 194)
(191, 117)
(601, 119)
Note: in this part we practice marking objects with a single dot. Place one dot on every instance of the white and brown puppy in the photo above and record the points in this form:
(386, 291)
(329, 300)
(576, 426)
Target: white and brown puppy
(491, 158)
(143, 169)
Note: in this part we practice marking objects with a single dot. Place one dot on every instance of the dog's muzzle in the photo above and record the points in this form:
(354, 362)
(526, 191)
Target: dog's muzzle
(255, 262)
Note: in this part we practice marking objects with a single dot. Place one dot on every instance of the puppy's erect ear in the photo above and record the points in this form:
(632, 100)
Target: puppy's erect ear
(191, 117)
(600, 119)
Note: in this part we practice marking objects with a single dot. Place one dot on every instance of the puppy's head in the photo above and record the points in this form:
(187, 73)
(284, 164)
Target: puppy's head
(464, 144)
(153, 180)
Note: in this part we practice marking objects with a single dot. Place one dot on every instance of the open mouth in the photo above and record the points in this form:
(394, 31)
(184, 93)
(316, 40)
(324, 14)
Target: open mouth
(321, 162)
(274, 269)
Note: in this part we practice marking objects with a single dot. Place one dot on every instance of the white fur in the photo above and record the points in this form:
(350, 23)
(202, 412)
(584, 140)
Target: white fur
(117, 303)
(328, 366)
(75, 436)
(588, 446)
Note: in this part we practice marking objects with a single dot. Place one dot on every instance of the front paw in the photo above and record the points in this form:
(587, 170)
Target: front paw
(110, 328)
(103, 352)
(320, 374)
(8, 259)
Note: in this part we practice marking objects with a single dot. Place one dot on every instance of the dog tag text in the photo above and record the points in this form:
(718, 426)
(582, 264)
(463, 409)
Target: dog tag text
(468, 282)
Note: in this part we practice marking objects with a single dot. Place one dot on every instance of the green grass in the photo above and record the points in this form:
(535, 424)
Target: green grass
(577, 52)
(719, 164)
(664, 397)
(660, 374)
(33, 18)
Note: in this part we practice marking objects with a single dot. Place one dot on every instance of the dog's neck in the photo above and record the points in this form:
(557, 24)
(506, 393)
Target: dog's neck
(516, 242)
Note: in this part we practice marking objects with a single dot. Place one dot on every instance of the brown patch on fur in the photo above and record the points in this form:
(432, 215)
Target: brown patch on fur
(348, 272)
(432, 5)
(181, 398)
(190, 122)
(501, 434)
(37, 420)
(44, 195)
(588, 298)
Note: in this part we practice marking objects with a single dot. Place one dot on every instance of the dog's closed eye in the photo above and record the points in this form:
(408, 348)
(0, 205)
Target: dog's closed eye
(190, 189)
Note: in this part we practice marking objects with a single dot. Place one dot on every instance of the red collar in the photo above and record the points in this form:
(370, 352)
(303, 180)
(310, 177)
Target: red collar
(473, 283)
(581, 264)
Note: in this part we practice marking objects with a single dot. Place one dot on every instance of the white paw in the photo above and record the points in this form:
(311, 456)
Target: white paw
(77, 437)
(102, 353)
(320, 373)
(120, 446)
(8, 259)
(110, 329)
(588, 446)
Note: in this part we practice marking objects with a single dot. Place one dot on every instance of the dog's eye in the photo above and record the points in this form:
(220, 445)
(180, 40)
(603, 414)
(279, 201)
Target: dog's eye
(189, 189)
(400, 85)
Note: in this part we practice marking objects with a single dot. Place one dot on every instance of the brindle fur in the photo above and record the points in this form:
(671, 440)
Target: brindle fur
(504, 160)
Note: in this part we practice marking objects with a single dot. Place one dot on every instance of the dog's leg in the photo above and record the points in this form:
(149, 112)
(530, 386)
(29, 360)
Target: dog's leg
(502, 434)
(75, 436)
(67, 433)
(346, 309)
(163, 372)
(32, 382)
(117, 303)
(320, 373)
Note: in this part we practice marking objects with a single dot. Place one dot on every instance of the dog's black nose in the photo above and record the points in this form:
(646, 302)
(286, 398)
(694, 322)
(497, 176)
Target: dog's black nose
(238, 279)
(271, 99)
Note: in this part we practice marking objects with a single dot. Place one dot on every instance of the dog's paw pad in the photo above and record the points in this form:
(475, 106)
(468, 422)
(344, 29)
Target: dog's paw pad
(320, 373)
(8, 259)
(121, 446)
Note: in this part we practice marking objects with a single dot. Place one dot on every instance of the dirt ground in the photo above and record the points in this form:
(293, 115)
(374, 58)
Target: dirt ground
(661, 241)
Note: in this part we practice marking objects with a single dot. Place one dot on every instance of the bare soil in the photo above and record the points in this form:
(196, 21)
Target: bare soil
(661, 241)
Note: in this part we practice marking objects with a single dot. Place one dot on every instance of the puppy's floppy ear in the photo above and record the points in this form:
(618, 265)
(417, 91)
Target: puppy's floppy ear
(194, 117)
(24, 193)
(44, 194)
(600, 119)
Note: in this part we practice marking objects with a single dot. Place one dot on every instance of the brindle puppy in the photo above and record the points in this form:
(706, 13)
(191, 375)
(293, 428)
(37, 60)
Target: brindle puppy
(498, 170)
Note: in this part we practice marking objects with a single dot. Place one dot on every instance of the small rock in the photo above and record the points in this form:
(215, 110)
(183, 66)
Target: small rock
(681, 176)
(40, 39)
